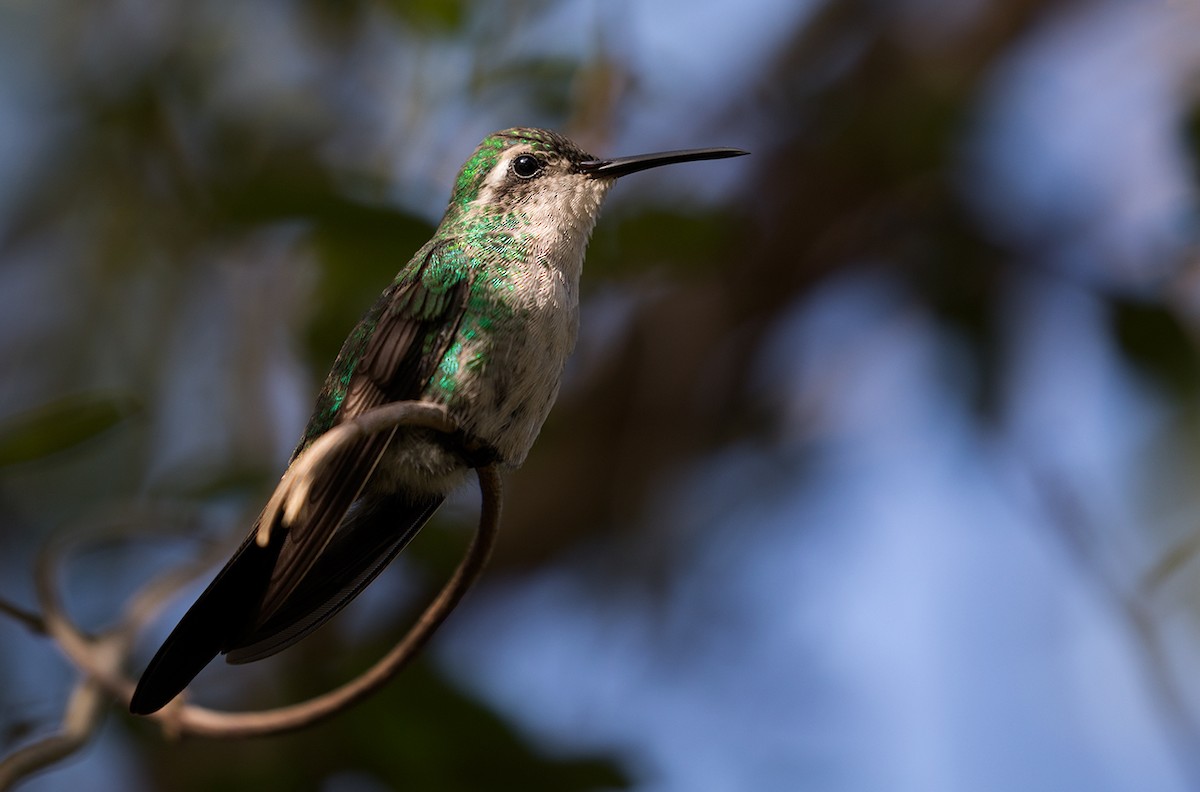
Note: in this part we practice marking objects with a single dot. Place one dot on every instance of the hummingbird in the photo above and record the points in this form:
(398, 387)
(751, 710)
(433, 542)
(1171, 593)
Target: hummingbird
(480, 321)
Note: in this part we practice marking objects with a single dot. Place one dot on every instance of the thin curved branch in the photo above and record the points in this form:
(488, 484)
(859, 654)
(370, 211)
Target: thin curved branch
(1132, 605)
(32, 621)
(187, 719)
(107, 528)
(84, 709)
(86, 653)
(1170, 563)
(101, 659)
(86, 705)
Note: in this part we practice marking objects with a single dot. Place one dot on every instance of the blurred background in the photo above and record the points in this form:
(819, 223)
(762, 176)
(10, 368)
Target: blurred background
(875, 468)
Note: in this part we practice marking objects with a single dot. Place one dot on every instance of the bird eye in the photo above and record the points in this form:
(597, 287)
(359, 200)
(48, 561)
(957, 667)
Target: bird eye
(527, 166)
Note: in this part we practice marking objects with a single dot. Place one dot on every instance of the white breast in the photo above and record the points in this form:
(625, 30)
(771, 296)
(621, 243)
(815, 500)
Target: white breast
(521, 380)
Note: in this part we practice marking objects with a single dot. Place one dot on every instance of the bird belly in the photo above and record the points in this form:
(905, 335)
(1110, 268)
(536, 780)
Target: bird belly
(421, 462)
(516, 383)
(504, 390)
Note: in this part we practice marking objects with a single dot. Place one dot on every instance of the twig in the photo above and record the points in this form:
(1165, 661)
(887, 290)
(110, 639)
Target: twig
(187, 719)
(104, 655)
(1067, 518)
(1171, 562)
(30, 619)
(84, 709)
(100, 660)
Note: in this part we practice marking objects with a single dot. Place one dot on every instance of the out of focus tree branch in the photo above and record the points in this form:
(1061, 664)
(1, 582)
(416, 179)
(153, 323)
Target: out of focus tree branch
(1134, 606)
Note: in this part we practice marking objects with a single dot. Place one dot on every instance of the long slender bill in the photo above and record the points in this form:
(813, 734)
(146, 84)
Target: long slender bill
(623, 166)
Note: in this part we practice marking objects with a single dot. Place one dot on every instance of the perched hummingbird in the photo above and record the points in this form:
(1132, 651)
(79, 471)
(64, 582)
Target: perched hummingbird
(481, 320)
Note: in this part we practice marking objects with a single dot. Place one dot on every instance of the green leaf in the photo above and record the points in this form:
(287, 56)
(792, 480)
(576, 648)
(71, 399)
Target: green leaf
(60, 425)
(436, 16)
(689, 243)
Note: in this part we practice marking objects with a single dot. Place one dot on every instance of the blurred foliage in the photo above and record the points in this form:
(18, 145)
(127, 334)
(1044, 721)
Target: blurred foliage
(61, 425)
(358, 247)
(446, 16)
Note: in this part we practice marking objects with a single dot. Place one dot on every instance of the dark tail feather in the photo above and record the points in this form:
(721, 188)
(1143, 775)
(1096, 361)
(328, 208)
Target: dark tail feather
(375, 531)
(217, 618)
(227, 616)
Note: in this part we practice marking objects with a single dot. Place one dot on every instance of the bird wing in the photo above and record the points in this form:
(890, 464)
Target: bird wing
(377, 529)
(408, 332)
(389, 356)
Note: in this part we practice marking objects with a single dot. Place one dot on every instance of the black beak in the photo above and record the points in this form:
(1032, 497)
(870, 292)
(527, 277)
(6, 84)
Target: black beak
(622, 166)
